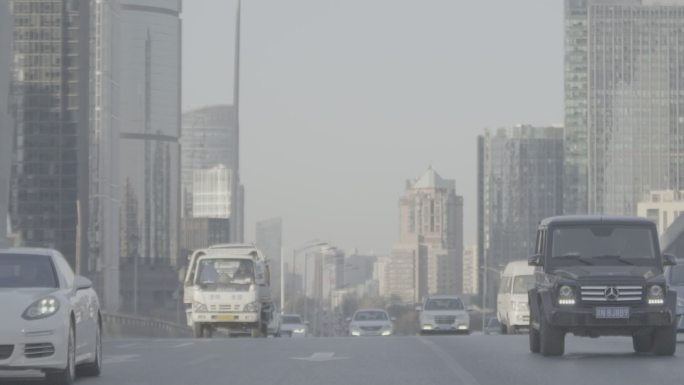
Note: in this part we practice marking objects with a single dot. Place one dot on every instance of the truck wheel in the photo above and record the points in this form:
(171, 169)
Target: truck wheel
(256, 332)
(665, 340)
(504, 328)
(643, 343)
(264, 330)
(551, 339)
(207, 331)
(534, 339)
(197, 330)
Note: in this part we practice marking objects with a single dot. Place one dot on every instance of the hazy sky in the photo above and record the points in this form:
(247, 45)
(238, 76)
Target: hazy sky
(343, 100)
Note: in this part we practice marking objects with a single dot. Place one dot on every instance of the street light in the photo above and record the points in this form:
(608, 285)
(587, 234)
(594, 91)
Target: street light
(295, 251)
(484, 290)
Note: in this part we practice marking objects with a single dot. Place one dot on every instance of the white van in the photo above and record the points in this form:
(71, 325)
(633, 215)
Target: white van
(512, 308)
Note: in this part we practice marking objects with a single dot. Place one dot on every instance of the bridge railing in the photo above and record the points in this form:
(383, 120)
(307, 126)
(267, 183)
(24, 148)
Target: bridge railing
(124, 325)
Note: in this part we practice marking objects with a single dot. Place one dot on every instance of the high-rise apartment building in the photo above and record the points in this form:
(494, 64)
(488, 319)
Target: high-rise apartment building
(150, 116)
(662, 207)
(430, 243)
(209, 139)
(520, 182)
(623, 97)
(50, 103)
(6, 123)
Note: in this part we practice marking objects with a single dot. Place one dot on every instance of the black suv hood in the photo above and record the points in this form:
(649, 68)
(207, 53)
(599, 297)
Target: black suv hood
(611, 273)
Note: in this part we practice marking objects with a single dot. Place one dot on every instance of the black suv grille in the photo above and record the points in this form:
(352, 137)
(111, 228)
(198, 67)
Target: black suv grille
(39, 350)
(6, 351)
(611, 294)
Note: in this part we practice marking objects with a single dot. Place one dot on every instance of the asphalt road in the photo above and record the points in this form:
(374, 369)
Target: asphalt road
(452, 360)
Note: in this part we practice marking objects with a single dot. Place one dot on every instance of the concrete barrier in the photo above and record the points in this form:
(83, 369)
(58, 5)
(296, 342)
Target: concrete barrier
(123, 325)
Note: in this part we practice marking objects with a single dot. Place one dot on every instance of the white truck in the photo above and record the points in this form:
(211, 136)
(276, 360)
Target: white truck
(228, 287)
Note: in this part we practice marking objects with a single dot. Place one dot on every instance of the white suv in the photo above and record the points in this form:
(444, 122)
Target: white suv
(443, 313)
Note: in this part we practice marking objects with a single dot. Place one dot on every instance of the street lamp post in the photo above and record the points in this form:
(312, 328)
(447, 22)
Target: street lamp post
(295, 251)
(485, 269)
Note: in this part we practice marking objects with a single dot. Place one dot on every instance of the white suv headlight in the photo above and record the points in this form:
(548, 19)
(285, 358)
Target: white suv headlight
(42, 308)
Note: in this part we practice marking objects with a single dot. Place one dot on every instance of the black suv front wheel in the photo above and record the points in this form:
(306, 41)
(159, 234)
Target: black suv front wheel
(665, 340)
(551, 338)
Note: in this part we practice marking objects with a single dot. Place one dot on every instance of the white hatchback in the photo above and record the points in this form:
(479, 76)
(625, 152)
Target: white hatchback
(51, 318)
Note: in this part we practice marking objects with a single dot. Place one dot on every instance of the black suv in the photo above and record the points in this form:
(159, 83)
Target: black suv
(601, 276)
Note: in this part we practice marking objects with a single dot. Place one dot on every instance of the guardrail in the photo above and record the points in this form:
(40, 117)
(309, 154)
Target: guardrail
(123, 325)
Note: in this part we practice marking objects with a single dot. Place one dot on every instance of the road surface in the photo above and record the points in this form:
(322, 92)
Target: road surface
(433, 360)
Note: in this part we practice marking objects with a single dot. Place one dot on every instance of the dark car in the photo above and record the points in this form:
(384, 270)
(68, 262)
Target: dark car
(601, 276)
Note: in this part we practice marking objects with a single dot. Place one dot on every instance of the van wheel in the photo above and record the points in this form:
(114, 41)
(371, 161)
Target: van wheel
(256, 331)
(665, 340)
(504, 328)
(551, 339)
(643, 343)
(207, 331)
(197, 330)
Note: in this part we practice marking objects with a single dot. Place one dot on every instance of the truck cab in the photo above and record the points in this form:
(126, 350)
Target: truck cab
(601, 276)
(228, 286)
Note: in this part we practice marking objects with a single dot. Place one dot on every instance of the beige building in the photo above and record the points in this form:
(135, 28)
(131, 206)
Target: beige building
(428, 257)
(662, 207)
(470, 270)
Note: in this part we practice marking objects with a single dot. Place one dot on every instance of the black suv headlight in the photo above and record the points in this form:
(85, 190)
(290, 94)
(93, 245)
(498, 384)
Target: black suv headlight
(566, 295)
(656, 295)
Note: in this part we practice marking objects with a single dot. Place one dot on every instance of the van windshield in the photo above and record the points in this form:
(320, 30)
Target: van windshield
(225, 274)
(522, 284)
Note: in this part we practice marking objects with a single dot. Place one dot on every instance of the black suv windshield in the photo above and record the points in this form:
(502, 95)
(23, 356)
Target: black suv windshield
(602, 245)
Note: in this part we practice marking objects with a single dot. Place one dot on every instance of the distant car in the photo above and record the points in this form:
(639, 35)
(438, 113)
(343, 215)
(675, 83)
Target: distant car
(675, 278)
(50, 319)
(371, 322)
(443, 314)
(492, 326)
(291, 325)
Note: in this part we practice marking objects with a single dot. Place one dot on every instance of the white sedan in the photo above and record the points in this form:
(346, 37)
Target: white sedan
(50, 319)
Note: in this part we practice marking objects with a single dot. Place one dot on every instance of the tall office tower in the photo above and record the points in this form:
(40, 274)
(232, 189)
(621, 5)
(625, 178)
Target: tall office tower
(521, 183)
(431, 239)
(50, 108)
(623, 98)
(6, 123)
(150, 115)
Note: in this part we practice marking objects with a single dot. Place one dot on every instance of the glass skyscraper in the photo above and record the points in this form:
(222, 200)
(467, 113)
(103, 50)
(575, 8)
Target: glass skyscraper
(150, 130)
(50, 107)
(624, 102)
(6, 124)
(520, 183)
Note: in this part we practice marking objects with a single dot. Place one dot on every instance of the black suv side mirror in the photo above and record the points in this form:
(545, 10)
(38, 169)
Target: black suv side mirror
(536, 260)
(669, 260)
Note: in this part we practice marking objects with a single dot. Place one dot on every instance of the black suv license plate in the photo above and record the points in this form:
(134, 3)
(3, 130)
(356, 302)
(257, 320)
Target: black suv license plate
(611, 312)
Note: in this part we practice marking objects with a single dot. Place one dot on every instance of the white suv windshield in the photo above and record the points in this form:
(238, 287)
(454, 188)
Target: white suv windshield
(371, 316)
